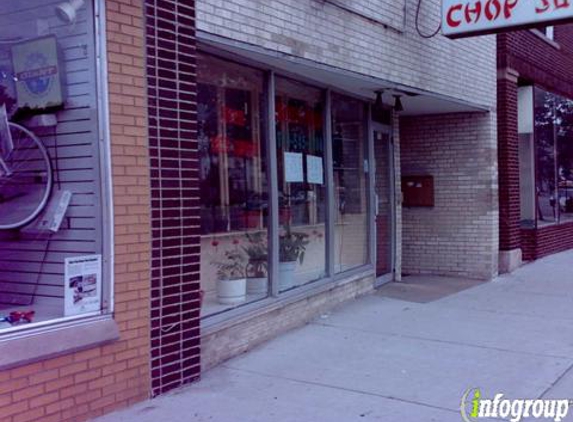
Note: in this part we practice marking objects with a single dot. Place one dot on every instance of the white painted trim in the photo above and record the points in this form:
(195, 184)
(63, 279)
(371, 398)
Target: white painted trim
(545, 38)
(105, 153)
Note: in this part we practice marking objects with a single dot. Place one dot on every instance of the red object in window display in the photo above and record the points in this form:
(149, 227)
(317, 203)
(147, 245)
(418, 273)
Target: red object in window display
(218, 145)
(18, 317)
(235, 117)
(285, 216)
(240, 148)
(281, 112)
(253, 218)
(243, 148)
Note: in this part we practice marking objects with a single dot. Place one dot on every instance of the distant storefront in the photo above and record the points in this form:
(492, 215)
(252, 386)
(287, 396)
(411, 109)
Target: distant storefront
(536, 179)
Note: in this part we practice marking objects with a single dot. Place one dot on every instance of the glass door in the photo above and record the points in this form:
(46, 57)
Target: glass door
(385, 204)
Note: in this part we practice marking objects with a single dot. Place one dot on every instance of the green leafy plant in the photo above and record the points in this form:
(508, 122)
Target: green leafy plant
(256, 251)
(292, 245)
(233, 266)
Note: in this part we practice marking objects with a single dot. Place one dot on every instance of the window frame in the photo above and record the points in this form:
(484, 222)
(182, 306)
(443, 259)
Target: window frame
(542, 34)
(332, 279)
(32, 338)
(558, 220)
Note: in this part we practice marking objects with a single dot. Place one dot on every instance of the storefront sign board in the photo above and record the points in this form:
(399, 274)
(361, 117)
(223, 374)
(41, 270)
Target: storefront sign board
(464, 18)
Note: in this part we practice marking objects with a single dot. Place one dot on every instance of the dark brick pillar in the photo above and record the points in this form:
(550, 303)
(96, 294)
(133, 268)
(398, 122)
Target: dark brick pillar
(175, 283)
(508, 159)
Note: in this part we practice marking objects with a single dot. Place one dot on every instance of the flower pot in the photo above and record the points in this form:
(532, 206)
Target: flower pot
(231, 292)
(257, 286)
(286, 275)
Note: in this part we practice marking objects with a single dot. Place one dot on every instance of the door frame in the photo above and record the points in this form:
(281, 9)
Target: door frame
(388, 130)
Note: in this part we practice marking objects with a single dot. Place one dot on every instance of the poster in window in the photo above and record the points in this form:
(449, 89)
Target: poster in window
(38, 73)
(83, 284)
(7, 86)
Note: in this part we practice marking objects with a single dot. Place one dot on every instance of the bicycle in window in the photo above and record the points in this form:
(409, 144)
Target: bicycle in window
(26, 176)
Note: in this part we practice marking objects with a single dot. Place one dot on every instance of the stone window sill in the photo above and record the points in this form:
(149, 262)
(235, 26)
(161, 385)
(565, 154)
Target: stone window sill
(543, 37)
(37, 344)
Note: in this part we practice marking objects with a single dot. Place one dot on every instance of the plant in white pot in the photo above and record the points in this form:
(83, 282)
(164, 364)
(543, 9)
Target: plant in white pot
(292, 246)
(256, 270)
(231, 277)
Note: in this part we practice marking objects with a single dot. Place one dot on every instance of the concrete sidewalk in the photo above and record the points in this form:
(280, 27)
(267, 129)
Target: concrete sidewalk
(391, 357)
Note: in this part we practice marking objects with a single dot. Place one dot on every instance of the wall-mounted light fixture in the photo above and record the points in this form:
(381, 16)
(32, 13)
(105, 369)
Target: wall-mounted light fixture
(398, 107)
(67, 11)
(378, 104)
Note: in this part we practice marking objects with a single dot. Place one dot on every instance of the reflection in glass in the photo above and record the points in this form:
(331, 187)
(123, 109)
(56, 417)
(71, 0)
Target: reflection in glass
(350, 183)
(547, 210)
(48, 86)
(233, 185)
(564, 132)
(302, 191)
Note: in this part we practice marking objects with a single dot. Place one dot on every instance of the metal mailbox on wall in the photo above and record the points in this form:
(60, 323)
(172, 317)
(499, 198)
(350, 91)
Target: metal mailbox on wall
(418, 191)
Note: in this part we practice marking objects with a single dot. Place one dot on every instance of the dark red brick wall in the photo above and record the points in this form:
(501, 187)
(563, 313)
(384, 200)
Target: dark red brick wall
(383, 238)
(546, 241)
(548, 65)
(175, 285)
(539, 61)
(508, 159)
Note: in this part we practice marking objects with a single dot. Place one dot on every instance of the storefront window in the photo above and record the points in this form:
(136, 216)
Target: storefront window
(554, 158)
(350, 162)
(233, 185)
(302, 191)
(236, 168)
(547, 210)
(52, 257)
(564, 132)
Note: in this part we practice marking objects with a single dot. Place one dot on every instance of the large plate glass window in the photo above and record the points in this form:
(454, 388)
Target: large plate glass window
(52, 257)
(302, 190)
(350, 162)
(545, 126)
(553, 158)
(564, 135)
(233, 185)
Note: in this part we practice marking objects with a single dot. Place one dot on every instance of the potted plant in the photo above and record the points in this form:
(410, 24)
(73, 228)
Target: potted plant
(256, 270)
(292, 246)
(231, 277)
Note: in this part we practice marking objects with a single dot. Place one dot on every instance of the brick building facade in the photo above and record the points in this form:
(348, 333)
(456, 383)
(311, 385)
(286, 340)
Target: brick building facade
(541, 60)
(447, 131)
(71, 376)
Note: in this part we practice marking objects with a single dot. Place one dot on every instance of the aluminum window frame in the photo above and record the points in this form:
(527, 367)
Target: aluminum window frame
(106, 199)
(332, 279)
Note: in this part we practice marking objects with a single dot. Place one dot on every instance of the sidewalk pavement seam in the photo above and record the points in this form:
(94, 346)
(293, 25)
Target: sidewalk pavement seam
(501, 312)
(333, 387)
(477, 346)
(554, 383)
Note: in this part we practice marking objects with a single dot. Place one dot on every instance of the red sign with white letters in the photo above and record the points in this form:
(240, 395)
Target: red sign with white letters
(463, 18)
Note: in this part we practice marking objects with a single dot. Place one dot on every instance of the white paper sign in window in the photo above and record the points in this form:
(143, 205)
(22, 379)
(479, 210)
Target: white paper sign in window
(293, 167)
(83, 284)
(314, 170)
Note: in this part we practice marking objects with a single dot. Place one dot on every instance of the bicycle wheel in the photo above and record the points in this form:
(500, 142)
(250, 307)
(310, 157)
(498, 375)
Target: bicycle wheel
(26, 188)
